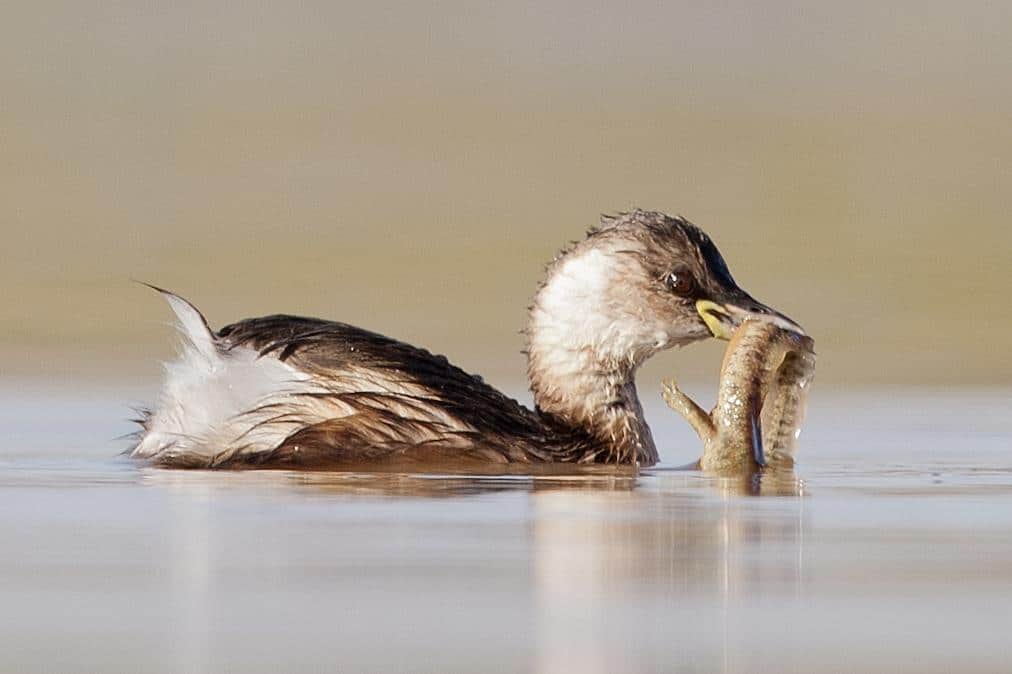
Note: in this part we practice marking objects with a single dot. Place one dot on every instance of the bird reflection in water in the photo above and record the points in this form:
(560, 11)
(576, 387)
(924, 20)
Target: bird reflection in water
(604, 562)
(615, 569)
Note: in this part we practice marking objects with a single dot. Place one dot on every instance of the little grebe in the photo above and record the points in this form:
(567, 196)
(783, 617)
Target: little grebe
(287, 391)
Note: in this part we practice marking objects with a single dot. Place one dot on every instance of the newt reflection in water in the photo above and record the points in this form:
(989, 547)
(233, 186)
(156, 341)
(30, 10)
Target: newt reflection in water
(760, 400)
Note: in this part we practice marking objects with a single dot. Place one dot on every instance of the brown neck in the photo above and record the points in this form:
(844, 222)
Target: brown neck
(575, 392)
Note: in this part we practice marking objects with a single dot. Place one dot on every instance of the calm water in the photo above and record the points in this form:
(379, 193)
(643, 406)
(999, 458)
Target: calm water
(892, 550)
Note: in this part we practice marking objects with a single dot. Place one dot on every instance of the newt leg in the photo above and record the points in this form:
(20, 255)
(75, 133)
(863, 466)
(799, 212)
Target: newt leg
(698, 418)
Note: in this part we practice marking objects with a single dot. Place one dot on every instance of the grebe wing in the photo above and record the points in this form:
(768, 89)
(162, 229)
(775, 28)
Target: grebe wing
(306, 391)
(334, 351)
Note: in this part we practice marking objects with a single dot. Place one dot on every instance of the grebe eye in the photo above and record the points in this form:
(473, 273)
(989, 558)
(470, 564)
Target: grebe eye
(680, 282)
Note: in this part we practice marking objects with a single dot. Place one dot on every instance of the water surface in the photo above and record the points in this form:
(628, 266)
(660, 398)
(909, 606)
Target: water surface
(891, 550)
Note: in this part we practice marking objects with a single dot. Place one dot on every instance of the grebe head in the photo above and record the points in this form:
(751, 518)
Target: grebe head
(639, 283)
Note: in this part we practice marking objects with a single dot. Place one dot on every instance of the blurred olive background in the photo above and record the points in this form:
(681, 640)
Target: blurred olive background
(411, 167)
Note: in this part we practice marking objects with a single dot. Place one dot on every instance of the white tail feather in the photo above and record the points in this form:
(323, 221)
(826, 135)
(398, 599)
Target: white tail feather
(210, 396)
(192, 325)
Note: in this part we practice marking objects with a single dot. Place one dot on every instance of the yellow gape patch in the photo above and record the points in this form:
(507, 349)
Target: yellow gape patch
(711, 313)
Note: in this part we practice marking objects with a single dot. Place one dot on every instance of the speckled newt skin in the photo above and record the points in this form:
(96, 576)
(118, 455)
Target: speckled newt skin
(760, 400)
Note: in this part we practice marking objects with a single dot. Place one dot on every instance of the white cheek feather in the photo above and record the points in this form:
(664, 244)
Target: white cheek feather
(572, 302)
(579, 311)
